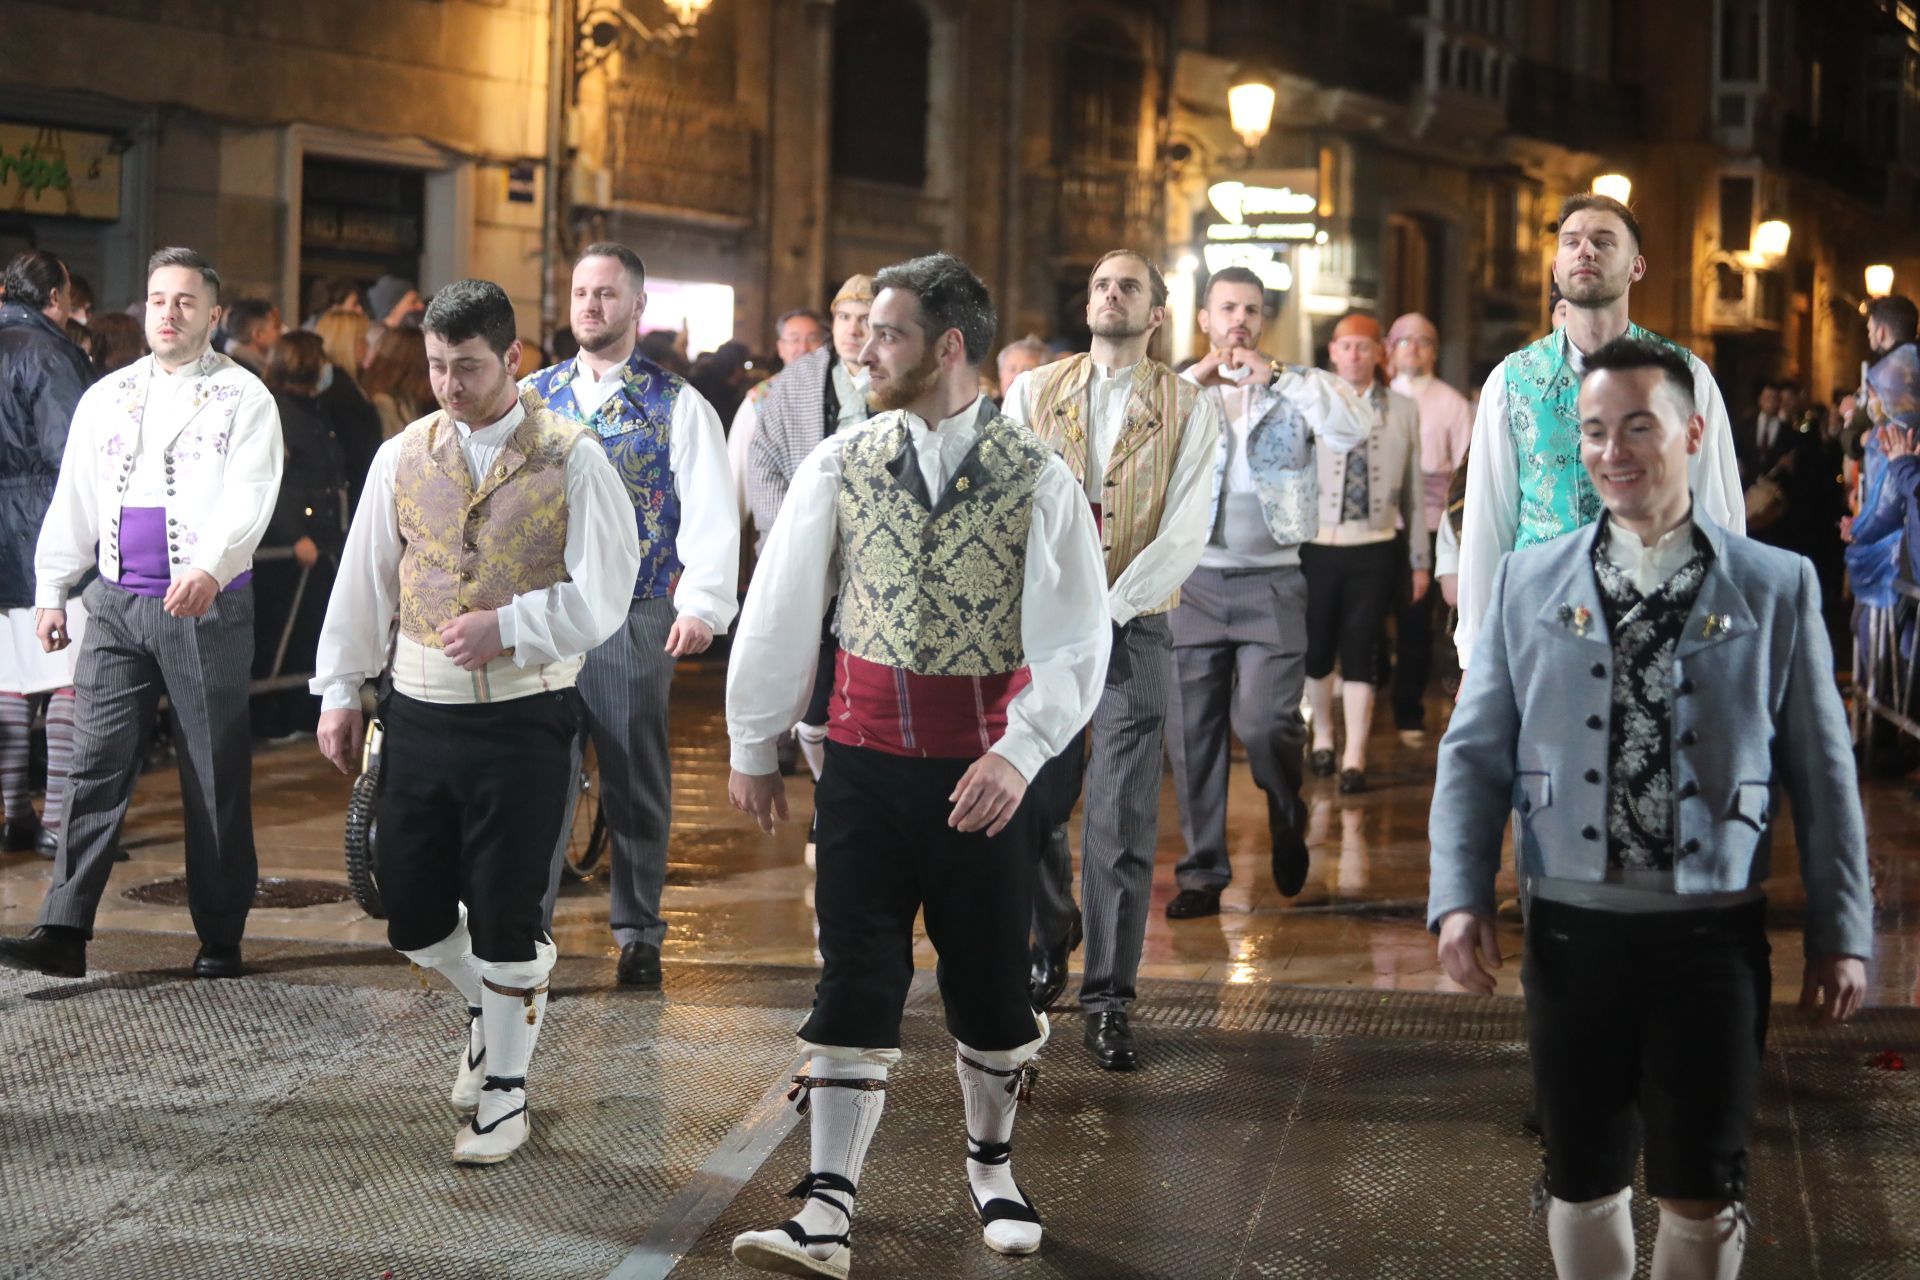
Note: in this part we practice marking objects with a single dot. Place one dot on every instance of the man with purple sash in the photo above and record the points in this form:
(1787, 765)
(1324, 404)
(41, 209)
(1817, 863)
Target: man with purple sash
(168, 481)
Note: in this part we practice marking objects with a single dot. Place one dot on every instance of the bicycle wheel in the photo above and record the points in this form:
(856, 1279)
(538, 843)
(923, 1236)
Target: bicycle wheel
(360, 838)
(586, 841)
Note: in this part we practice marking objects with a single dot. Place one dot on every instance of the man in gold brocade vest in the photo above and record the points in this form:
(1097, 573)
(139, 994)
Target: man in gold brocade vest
(1141, 441)
(504, 541)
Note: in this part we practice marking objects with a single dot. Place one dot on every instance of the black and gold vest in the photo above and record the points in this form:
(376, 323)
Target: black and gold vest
(932, 584)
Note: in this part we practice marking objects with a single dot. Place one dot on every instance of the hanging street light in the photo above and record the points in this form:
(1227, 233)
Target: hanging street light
(1614, 186)
(1879, 280)
(1770, 238)
(1250, 100)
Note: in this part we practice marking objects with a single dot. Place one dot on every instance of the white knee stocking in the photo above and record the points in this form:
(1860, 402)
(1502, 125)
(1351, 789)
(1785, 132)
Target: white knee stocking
(1320, 708)
(513, 996)
(1699, 1249)
(1592, 1240)
(452, 956)
(843, 1118)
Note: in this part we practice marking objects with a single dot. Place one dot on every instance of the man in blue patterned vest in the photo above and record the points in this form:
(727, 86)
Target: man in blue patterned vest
(665, 441)
(1525, 484)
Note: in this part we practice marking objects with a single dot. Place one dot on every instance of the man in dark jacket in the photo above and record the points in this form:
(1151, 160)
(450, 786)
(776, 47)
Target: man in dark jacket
(41, 378)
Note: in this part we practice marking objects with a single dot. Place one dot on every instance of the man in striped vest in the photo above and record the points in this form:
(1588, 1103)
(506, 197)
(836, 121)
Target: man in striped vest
(1141, 441)
(1525, 484)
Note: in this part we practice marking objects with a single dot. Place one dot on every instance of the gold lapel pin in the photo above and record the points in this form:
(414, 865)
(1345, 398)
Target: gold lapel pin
(961, 484)
(1576, 617)
(1716, 624)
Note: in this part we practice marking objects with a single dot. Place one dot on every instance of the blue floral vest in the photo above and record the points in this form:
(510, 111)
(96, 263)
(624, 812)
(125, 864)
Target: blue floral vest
(636, 427)
(1543, 417)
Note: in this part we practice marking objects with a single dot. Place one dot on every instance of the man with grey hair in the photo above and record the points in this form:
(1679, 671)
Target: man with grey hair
(1017, 357)
(169, 479)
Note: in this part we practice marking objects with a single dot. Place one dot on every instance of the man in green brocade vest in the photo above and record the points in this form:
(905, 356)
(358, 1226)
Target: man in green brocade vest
(1525, 484)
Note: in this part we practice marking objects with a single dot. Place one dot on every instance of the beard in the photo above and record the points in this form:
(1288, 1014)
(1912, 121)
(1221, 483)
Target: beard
(1594, 293)
(902, 389)
(1118, 325)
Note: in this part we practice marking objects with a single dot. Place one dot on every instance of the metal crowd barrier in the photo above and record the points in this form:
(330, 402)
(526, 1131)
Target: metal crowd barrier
(1884, 681)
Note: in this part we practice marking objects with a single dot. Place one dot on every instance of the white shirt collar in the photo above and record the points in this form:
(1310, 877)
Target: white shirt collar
(1649, 566)
(1102, 374)
(514, 417)
(947, 428)
(615, 372)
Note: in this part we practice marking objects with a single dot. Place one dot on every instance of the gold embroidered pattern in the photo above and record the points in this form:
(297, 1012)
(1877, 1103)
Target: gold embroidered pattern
(936, 594)
(466, 550)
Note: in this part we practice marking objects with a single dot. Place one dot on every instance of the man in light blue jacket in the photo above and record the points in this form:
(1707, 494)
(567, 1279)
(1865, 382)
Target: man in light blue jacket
(1640, 688)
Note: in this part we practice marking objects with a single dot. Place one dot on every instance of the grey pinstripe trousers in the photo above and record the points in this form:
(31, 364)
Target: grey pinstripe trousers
(135, 651)
(1239, 658)
(1122, 821)
(624, 687)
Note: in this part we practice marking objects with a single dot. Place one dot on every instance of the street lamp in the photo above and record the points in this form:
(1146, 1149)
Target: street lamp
(1614, 186)
(1770, 238)
(687, 12)
(1879, 280)
(1250, 101)
(605, 28)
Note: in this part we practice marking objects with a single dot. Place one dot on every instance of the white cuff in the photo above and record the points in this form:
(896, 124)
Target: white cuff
(509, 621)
(1020, 751)
(755, 758)
(341, 695)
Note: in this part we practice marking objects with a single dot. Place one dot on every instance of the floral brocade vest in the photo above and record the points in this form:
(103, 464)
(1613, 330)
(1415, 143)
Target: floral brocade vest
(1543, 417)
(635, 426)
(466, 548)
(932, 584)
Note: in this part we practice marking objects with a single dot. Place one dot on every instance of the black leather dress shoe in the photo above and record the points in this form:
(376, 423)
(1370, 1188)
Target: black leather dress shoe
(1289, 852)
(48, 844)
(23, 835)
(1352, 782)
(217, 962)
(1321, 762)
(55, 950)
(639, 965)
(1110, 1041)
(1190, 904)
(1048, 977)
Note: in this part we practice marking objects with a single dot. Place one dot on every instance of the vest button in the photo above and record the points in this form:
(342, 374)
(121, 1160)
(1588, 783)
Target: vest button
(1589, 833)
(1594, 722)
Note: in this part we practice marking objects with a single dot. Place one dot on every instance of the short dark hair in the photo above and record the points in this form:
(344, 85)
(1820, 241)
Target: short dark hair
(950, 297)
(1156, 283)
(79, 291)
(1626, 354)
(244, 314)
(473, 309)
(1896, 311)
(1605, 204)
(32, 278)
(294, 362)
(621, 254)
(1232, 275)
(179, 256)
(801, 313)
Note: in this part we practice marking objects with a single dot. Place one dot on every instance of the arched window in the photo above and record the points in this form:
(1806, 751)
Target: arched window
(880, 74)
(1103, 80)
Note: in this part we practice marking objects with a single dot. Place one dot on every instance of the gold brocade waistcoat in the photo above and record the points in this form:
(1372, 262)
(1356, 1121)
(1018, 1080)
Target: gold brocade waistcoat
(466, 548)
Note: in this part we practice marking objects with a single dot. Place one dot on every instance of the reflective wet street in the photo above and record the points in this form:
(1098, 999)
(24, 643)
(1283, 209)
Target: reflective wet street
(736, 896)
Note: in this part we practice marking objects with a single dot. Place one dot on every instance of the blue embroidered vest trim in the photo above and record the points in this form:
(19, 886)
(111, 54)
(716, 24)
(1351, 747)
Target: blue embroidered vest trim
(635, 426)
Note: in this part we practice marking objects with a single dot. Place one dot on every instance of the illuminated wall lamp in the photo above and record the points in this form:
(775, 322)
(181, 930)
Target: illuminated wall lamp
(1879, 280)
(1614, 186)
(1250, 100)
(1771, 237)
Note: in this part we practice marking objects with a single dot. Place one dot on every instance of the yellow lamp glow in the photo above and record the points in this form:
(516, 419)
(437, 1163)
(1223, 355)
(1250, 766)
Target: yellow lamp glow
(1250, 102)
(1615, 186)
(1879, 280)
(1770, 238)
(687, 12)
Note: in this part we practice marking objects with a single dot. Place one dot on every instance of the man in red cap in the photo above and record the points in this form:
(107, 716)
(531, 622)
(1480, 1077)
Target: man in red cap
(1355, 566)
(1446, 425)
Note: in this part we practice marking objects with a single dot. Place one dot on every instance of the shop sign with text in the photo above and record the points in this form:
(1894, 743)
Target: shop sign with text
(59, 173)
